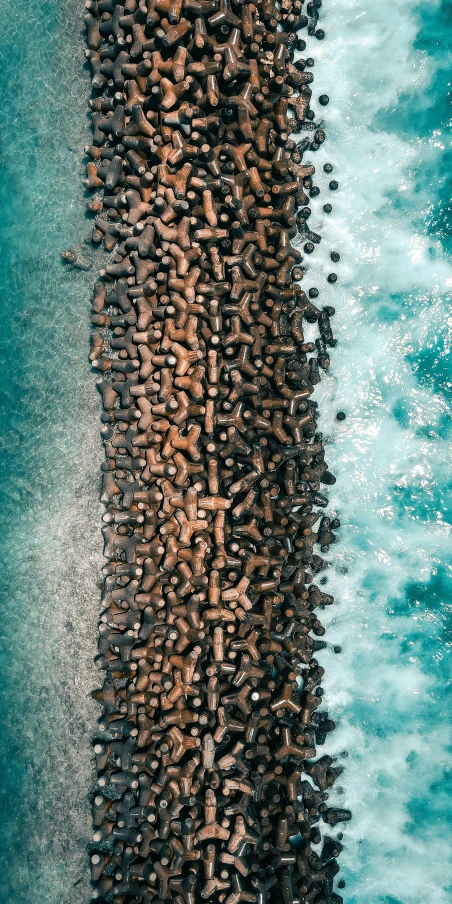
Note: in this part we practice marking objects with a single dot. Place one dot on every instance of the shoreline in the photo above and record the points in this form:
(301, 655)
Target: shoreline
(214, 467)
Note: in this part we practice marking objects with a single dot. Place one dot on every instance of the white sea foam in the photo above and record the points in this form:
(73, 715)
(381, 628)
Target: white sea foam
(388, 455)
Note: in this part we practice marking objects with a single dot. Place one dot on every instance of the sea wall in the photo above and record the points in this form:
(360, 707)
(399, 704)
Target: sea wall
(216, 524)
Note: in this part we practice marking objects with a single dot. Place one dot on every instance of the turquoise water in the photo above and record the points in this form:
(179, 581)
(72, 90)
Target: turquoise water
(386, 67)
(49, 460)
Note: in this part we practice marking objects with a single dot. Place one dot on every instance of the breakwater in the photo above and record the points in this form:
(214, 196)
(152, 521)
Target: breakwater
(216, 520)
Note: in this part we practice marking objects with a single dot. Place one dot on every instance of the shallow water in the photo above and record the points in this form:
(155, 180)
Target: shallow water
(386, 68)
(49, 456)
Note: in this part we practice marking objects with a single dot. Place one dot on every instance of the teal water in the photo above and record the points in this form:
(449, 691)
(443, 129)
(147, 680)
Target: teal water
(386, 67)
(49, 460)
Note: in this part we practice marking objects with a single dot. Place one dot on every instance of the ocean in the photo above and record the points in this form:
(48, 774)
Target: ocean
(386, 68)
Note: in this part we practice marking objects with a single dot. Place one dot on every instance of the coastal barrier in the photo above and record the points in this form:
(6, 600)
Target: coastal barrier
(208, 787)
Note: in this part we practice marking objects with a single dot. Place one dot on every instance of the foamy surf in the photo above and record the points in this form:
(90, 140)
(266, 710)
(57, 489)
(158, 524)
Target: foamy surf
(391, 569)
